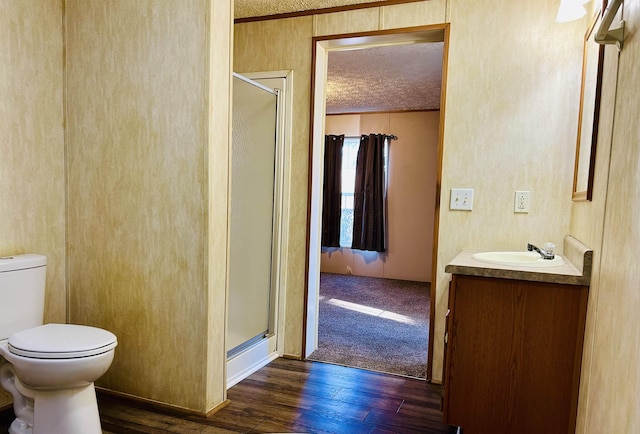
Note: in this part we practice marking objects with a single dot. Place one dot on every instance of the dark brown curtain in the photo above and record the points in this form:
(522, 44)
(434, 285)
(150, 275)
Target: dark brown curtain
(368, 208)
(332, 190)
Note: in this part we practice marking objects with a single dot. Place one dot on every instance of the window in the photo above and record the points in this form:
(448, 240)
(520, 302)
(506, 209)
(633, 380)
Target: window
(349, 159)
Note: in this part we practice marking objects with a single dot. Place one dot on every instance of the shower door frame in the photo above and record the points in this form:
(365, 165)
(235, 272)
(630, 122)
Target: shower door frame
(255, 356)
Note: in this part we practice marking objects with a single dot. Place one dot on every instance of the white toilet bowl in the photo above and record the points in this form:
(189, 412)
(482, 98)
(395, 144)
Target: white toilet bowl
(50, 373)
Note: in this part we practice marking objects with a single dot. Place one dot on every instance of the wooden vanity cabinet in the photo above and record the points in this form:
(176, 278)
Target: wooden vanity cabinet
(513, 355)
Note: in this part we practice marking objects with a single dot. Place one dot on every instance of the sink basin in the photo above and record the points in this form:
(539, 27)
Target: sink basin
(523, 259)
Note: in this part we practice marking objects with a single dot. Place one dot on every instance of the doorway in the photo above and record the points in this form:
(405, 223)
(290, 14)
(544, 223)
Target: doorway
(322, 47)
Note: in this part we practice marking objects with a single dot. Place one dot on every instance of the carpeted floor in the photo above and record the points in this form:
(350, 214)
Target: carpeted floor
(372, 323)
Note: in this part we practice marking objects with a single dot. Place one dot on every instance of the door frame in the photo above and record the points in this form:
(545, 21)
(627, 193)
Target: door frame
(321, 46)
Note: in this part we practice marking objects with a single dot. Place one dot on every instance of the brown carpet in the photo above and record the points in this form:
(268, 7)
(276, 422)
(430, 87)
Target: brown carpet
(372, 323)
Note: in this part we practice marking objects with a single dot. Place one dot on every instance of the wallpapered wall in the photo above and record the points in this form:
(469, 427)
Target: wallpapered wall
(510, 122)
(129, 199)
(411, 199)
(32, 177)
(506, 114)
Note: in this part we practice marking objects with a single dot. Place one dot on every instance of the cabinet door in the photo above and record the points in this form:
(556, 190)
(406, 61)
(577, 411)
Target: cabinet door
(447, 356)
(514, 355)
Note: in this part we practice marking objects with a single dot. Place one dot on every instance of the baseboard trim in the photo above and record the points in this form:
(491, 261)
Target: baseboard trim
(155, 406)
(292, 357)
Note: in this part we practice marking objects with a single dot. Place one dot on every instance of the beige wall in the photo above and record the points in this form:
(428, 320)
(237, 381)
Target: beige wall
(137, 83)
(288, 47)
(610, 383)
(413, 164)
(141, 173)
(492, 142)
(511, 121)
(513, 83)
(32, 183)
(510, 124)
(274, 46)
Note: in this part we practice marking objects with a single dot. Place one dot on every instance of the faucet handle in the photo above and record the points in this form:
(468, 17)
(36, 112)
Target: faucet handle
(550, 248)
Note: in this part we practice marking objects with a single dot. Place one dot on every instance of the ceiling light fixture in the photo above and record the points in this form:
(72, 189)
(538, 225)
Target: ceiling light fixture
(571, 10)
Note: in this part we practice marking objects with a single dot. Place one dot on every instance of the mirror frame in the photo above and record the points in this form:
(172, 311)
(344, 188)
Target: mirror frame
(589, 113)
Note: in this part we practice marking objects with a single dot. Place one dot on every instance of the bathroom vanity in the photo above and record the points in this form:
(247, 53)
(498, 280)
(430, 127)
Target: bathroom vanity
(513, 344)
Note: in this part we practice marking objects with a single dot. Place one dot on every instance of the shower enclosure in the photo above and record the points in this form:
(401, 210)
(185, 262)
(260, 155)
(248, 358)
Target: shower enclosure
(254, 224)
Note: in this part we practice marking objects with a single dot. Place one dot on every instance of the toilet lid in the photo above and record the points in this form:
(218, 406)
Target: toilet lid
(61, 341)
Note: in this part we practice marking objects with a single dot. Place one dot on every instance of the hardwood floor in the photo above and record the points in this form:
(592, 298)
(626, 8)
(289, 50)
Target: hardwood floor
(295, 396)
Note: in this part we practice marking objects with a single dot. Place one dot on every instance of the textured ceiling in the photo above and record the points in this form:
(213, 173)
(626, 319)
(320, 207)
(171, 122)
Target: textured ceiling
(382, 79)
(260, 8)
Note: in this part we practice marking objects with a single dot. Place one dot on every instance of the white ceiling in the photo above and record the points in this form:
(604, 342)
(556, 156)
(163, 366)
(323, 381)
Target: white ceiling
(381, 79)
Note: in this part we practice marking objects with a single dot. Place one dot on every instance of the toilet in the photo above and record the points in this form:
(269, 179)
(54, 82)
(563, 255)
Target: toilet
(49, 369)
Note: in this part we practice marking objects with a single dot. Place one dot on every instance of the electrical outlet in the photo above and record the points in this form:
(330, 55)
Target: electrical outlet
(461, 199)
(522, 201)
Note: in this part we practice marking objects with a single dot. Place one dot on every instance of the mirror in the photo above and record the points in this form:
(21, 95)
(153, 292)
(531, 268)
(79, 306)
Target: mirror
(592, 61)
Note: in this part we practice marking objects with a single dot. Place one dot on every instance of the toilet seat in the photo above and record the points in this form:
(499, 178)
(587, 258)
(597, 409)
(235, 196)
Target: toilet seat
(61, 341)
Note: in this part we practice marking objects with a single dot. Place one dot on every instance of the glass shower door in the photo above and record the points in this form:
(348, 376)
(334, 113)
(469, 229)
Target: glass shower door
(253, 168)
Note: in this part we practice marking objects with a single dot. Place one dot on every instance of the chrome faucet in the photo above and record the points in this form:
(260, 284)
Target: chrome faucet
(546, 253)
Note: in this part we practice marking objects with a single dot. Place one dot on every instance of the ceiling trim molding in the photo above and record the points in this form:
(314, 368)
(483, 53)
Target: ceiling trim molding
(426, 33)
(382, 112)
(323, 11)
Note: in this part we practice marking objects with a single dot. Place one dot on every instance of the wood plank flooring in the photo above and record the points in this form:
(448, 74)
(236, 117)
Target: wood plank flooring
(295, 396)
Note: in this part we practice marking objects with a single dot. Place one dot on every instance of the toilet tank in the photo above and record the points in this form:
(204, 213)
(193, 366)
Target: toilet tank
(22, 280)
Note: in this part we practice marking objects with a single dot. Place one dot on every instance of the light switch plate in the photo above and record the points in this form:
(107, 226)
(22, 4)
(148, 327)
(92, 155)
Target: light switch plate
(461, 199)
